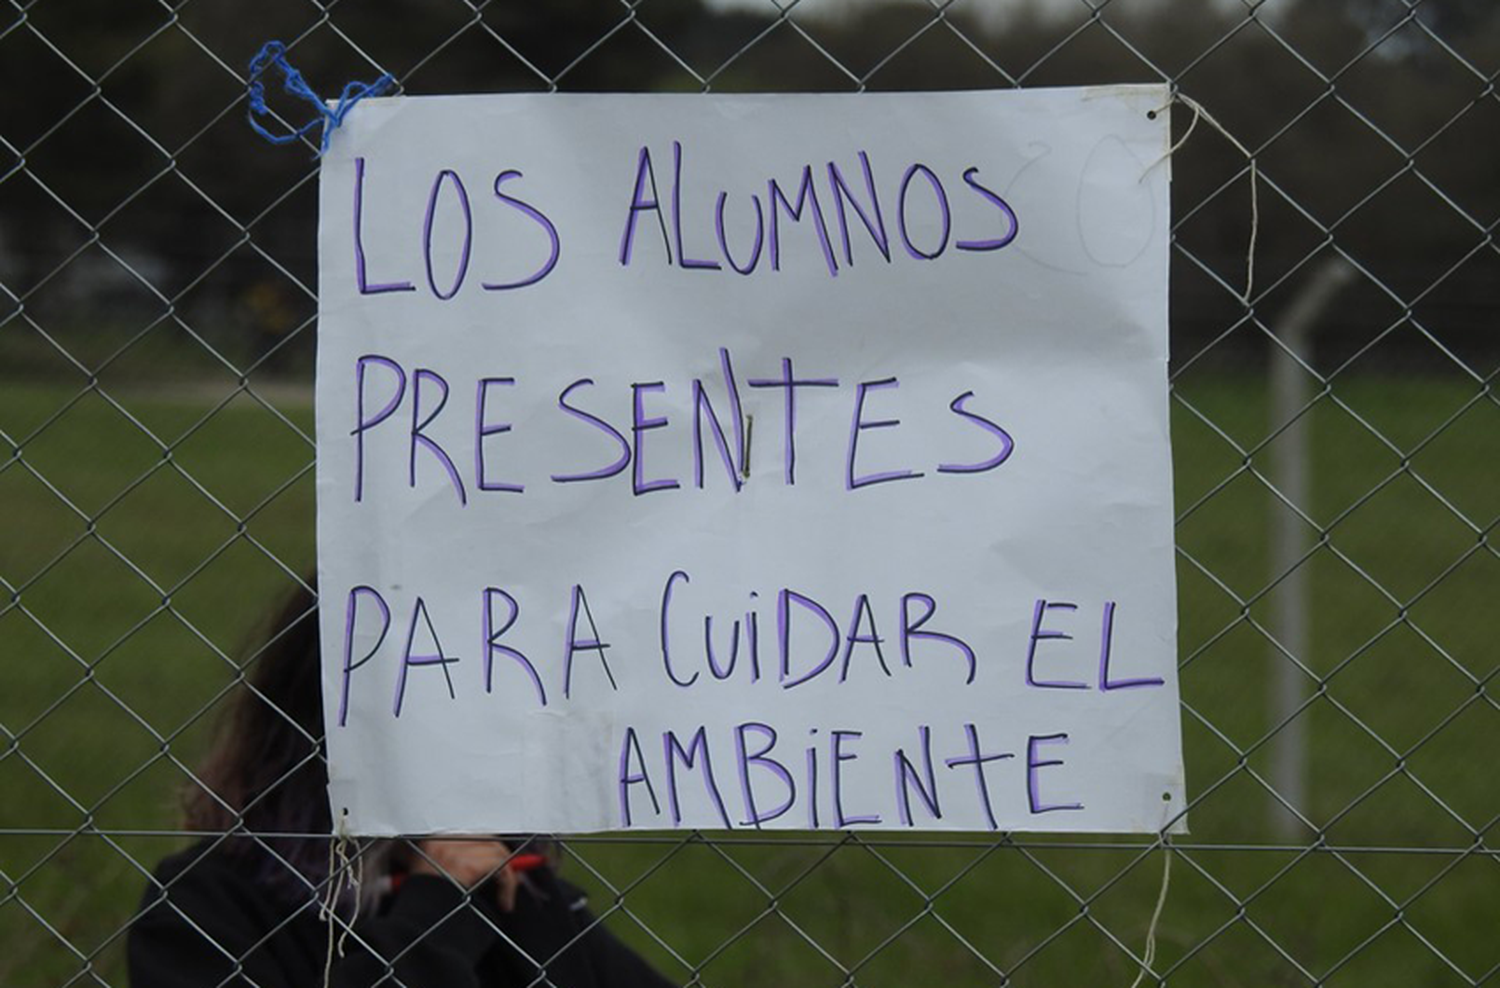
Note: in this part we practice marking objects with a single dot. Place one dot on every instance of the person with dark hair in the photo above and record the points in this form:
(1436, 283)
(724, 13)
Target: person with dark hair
(250, 904)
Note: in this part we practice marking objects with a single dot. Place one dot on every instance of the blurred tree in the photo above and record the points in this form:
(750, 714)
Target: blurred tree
(1443, 16)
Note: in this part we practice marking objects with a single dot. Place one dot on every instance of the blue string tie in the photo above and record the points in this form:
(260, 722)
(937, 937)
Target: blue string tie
(273, 55)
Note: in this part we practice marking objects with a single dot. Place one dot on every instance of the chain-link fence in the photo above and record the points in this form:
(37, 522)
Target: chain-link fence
(1336, 433)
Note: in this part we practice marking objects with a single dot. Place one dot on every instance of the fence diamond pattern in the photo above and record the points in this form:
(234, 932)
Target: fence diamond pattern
(1336, 427)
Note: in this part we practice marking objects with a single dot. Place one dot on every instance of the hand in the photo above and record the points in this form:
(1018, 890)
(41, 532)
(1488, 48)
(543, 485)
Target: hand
(469, 862)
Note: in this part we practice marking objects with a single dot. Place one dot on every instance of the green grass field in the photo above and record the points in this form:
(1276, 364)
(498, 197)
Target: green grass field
(108, 694)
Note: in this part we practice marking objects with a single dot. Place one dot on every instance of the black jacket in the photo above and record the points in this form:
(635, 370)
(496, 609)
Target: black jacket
(207, 921)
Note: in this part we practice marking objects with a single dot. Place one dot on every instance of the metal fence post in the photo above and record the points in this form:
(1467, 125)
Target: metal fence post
(1292, 455)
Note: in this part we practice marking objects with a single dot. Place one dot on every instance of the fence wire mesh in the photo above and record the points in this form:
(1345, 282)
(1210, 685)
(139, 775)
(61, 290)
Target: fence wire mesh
(1336, 430)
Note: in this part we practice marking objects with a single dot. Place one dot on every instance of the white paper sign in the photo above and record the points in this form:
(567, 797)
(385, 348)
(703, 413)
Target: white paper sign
(748, 461)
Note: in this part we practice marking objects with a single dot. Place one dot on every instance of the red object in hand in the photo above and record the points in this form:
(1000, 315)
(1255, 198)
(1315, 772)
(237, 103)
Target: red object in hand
(527, 862)
(520, 862)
